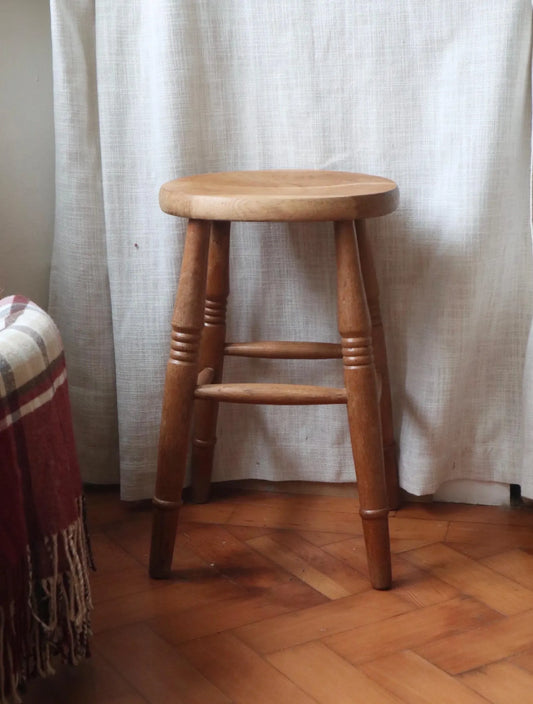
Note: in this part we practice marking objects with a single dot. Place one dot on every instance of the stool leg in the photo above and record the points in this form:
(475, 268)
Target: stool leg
(380, 356)
(362, 404)
(211, 357)
(180, 382)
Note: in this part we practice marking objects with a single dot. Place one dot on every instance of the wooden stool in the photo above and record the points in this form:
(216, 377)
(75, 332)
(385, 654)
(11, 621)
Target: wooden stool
(198, 344)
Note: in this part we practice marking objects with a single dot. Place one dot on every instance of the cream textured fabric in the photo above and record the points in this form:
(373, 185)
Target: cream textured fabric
(435, 95)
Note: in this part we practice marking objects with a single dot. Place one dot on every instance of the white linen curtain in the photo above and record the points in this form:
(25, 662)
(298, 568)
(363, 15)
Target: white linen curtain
(435, 95)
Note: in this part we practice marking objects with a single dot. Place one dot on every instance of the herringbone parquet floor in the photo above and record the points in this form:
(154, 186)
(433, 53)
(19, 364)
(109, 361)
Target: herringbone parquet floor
(269, 603)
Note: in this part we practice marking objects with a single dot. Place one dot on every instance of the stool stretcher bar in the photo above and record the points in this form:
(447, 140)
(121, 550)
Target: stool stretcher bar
(273, 394)
(284, 350)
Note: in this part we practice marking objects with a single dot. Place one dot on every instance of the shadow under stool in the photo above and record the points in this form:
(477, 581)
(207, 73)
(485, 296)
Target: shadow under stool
(193, 386)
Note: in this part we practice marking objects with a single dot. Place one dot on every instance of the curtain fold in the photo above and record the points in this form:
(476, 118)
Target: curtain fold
(79, 280)
(436, 96)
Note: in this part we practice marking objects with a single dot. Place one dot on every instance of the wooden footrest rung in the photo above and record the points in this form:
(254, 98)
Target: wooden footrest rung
(284, 350)
(275, 394)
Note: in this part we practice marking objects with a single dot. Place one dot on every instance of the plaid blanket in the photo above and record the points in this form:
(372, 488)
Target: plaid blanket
(44, 589)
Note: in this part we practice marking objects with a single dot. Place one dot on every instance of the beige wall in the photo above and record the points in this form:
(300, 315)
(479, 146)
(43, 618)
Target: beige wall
(26, 148)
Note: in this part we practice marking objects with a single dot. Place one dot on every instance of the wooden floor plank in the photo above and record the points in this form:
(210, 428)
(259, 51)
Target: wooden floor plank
(413, 679)
(514, 564)
(127, 699)
(352, 552)
(240, 673)
(269, 600)
(413, 584)
(133, 535)
(106, 586)
(491, 538)
(104, 507)
(245, 533)
(213, 512)
(328, 678)
(406, 631)
(409, 533)
(233, 558)
(288, 517)
(320, 538)
(93, 681)
(477, 580)
(156, 669)
(319, 621)
(476, 550)
(469, 513)
(422, 589)
(501, 683)
(310, 564)
(524, 660)
(169, 599)
(495, 641)
(299, 503)
(239, 610)
(109, 556)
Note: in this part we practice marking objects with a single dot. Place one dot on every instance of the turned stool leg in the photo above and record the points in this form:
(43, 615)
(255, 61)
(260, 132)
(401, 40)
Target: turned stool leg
(180, 382)
(211, 357)
(363, 405)
(380, 356)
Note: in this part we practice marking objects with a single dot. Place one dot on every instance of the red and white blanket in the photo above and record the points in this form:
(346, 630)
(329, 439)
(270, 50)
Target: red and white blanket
(44, 589)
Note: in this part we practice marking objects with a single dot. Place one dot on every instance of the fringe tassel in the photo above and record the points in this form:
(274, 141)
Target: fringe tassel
(56, 614)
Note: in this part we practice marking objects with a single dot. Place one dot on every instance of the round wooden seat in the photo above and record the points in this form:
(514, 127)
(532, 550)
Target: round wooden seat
(281, 195)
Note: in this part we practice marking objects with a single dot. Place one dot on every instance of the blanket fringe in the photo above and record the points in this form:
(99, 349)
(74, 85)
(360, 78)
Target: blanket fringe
(53, 622)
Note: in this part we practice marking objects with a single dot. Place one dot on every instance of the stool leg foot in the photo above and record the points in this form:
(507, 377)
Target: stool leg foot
(212, 356)
(164, 526)
(363, 405)
(180, 382)
(377, 541)
(380, 356)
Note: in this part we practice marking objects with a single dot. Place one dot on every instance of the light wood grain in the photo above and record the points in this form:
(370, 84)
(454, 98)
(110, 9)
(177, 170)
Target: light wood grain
(414, 680)
(501, 683)
(279, 195)
(254, 606)
(489, 518)
(277, 394)
(252, 679)
(494, 641)
(328, 678)
(94, 681)
(495, 590)
(294, 545)
(284, 350)
(408, 630)
(167, 600)
(156, 669)
(524, 660)
(482, 540)
(285, 516)
(228, 555)
(319, 621)
(413, 584)
(300, 567)
(515, 564)
(425, 641)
